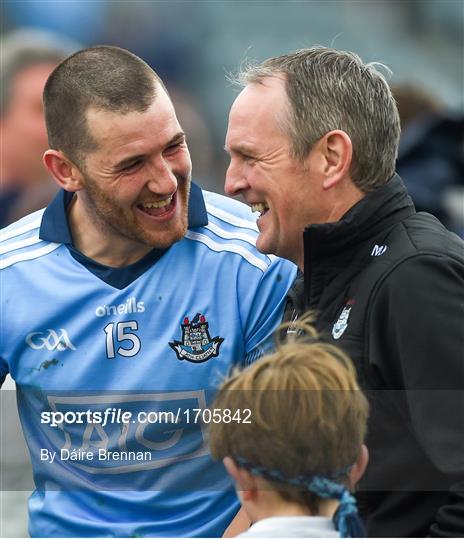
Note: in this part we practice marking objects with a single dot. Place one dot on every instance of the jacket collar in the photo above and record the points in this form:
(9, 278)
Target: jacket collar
(375, 212)
(55, 225)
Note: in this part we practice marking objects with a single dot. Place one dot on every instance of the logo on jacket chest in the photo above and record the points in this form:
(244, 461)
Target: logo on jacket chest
(341, 323)
(196, 345)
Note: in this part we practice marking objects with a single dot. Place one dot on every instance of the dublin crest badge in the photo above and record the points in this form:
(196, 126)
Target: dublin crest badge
(342, 323)
(196, 345)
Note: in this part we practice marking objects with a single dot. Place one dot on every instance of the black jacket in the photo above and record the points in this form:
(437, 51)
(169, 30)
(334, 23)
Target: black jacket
(387, 285)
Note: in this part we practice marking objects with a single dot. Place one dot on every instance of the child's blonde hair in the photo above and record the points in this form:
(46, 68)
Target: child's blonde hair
(308, 415)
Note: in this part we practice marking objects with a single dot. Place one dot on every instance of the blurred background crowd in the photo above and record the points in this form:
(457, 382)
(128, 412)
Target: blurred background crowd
(193, 45)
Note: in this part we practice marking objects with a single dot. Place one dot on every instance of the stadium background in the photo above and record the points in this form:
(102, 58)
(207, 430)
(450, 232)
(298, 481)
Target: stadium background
(193, 45)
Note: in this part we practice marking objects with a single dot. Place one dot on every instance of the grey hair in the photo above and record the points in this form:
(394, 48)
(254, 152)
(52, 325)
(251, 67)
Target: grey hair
(28, 47)
(328, 90)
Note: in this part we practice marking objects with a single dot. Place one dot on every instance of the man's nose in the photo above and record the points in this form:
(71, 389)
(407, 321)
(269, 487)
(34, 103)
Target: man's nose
(235, 180)
(161, 178)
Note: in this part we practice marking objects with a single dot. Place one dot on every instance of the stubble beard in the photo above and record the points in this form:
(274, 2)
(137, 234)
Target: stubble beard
(112, 218)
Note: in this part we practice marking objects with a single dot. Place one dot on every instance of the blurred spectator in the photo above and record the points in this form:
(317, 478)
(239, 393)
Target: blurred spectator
(431, 155)
(27, 58)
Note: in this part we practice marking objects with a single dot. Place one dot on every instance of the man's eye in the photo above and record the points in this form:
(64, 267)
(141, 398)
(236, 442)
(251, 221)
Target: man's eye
(132, 166)
(173, 148)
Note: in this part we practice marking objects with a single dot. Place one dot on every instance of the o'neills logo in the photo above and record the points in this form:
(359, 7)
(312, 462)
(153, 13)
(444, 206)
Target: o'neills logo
(130, 306)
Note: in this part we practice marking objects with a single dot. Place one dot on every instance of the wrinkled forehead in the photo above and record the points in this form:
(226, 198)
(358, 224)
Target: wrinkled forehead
(260, 105)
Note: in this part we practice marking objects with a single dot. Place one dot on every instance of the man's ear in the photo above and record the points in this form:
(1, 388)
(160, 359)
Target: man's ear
(360, 466)
(66, 174)
(244, 481)
(337, 150)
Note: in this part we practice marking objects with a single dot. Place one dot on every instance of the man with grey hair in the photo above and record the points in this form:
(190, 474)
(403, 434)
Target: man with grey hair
(313, 139)
(27, 57)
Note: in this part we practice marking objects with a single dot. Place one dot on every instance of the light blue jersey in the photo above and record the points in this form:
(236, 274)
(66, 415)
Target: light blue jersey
(155, 338)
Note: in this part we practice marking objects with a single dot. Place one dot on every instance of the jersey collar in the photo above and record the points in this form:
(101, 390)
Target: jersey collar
(55, 225)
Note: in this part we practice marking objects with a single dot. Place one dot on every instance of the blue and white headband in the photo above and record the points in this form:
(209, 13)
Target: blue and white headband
(346, 519)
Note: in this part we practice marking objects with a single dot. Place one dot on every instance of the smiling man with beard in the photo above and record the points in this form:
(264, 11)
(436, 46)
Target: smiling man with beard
(126, 159)
(136, 289)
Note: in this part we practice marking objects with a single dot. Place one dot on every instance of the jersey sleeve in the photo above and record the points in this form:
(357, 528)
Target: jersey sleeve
(419, 343)
(266, 309)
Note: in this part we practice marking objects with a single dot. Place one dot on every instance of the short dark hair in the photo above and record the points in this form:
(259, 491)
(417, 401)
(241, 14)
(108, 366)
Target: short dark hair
(105, 78)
